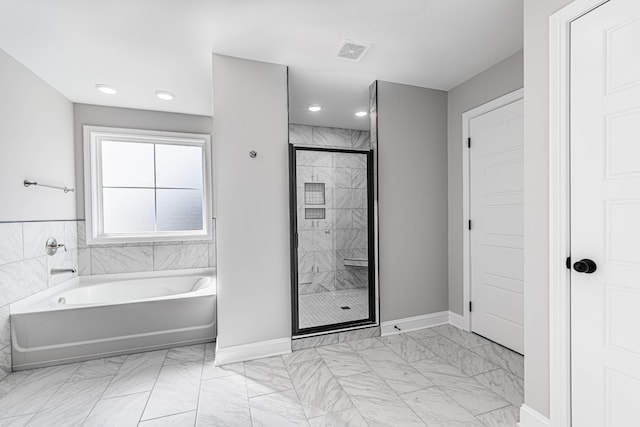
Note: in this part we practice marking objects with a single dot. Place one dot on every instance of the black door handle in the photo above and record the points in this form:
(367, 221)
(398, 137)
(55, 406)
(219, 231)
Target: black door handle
(585, 266)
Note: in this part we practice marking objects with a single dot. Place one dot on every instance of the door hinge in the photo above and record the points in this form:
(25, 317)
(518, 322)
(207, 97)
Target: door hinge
(568, 262)
(469, 142)
(469, 224)
(470, 306)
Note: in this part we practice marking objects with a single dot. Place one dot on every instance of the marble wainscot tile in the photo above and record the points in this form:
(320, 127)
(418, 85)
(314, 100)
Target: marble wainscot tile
(176, 390)
(437, 409)
(71, 404)
(505, 417)
(350, 417)
(122, 411)
(406, 347)
(36, 235)
(23, 278)
(62, 260)
(266, 376)
(11, 243)
(84, 262)
(317, 388)
(460, 357)
(503, 357)
(178, 257)
(398, 374)
(185, 419)
(191, 353)
(31, 394)
(359, 334)
(128, 259)
(504, 384)
(464, 338)
(5, 326)
(137, 374)
(224, 401)
(342, 360)
(302, 343)
(98, 368)
(277, 409)
(471, 395)
(377, 403)
(301, 356)
(19, 421)
(300, 135)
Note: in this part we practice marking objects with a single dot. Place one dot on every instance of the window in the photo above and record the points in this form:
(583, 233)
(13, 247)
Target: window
(146, 186)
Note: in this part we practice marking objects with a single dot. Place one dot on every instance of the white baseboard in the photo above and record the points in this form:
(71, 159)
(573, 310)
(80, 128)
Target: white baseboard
(529, 417)
(414, 323)
(456, 320)
(241, 353)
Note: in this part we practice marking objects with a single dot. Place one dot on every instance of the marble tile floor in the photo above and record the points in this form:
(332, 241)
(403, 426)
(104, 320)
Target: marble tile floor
(325, 308)
(434, 377)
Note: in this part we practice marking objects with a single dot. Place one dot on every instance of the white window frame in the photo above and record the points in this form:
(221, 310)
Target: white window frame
(93, 137)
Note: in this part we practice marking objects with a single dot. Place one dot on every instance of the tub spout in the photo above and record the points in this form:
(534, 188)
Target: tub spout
(55, 271)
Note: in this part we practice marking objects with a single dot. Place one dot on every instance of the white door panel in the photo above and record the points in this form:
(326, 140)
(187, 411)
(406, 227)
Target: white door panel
(496, 238)
(605, 215)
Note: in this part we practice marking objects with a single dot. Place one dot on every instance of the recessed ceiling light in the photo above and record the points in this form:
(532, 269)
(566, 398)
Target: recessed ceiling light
(315, 108)
(167, 96)
(361, 113)
(108, 89)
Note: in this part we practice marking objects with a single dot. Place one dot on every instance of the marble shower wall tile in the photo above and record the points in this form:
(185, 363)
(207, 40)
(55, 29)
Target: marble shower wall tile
(178, 257)
(36, 235)
(11, 243)
(300, 135)
(328, 137)
(21, 279)
(130, 259)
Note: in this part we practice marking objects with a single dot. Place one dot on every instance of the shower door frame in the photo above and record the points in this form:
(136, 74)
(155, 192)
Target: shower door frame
(293, 212)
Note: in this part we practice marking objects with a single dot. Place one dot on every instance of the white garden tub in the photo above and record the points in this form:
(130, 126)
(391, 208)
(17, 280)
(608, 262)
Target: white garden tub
(99, 316)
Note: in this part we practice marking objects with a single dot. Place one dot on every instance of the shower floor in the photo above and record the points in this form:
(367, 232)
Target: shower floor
(325, 308)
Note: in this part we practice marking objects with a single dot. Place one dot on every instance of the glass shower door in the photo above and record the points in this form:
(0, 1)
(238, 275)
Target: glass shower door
(332, 276)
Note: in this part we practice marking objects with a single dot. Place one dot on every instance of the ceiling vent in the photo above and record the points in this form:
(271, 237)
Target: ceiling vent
(350, 50)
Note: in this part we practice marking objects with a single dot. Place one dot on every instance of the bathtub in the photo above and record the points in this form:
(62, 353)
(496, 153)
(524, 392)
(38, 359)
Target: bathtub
(99, 316)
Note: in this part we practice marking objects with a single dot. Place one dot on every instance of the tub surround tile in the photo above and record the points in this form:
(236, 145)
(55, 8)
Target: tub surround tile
(71, 404)
(175, 390)
(224, 401)
(31, 394)
(70, 234)
(137, 374)
(277, 409)
(464, 338)
(82, 234)
(212, 255)
(128, 259)
(376, 402)
(505, 417)
(266, 376)
(84, 262)
(405, 347)
(35, 236)
(317, 388)
(342, 360)
(503, 357)
(98, 368)
(11, 243)
(123, 411)
(398, 374)
(21, 279)
(504, 384)
(177, 257)
(350, 418)
(437, 409)
(62, 259)
(185, 419)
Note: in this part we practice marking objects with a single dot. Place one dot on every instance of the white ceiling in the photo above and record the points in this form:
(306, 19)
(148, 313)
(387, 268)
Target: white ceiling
(141, 46)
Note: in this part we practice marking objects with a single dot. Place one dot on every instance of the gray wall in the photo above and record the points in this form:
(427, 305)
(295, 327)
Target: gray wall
(536, 200)
(36, 139)
(84, 114)
(254, 288)
(412, 173)
(496, 81)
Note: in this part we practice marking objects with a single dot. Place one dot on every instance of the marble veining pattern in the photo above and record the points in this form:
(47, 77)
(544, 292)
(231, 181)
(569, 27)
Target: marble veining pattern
(367, 381)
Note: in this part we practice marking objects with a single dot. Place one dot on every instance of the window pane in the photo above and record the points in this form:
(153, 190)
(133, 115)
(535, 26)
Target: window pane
(178, 166)
(179, 210)
(127, 164)
(128, 210)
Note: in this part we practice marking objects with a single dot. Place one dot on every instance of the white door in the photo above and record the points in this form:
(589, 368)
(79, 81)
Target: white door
(605, 215)
(497, 225)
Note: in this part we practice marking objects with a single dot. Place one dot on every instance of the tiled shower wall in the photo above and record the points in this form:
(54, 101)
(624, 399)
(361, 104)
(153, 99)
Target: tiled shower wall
(24, 268)
(328, 137)
(139, 257)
